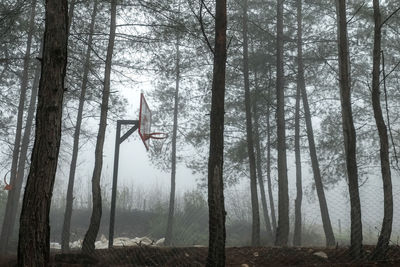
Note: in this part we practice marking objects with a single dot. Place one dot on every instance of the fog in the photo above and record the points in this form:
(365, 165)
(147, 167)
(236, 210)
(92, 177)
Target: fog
(291, 107)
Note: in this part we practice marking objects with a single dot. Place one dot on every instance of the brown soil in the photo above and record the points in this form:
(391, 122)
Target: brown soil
(243, 257)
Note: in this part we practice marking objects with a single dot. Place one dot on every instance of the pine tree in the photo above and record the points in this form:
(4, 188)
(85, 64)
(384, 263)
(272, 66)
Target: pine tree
(217, 233)
(34, 233)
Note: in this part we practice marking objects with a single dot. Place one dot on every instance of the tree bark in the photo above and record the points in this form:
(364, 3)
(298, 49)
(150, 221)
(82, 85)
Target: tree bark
(282, 233)
(65, 234)
(14, 193)
(91, 234)
(349, 133)
(34, 233)
(299, 186)
(259, 168)
(217, 232)
(270, 194)
(168, 235)
(71, 14)
(326, 221)
(300, 82)
(384, 237)
(255, 233)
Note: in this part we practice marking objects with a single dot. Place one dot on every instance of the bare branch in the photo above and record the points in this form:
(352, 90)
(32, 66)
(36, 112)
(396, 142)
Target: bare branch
(387, 110)
(355, 13)
(207, 9)
(200, 19)
(389, 17)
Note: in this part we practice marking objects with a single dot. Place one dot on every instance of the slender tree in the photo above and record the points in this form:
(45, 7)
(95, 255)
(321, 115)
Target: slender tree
(299, 186)
(168, 235)
(71, 13)
(217, 233)
(25, 144)
(384, 237)
(14, 193)
(255, 235)
(326, 221)
(282, 232)
(65, 234)
(91, 234)
(269, 183)
(34, 233)
(349, 133)
(260, 178)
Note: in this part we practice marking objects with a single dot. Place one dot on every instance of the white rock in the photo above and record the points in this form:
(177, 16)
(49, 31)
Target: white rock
(321, 254)
(145, 241)
(160, 242)
(124, 242)
(55, 245)
(118, 242)
(76, 244)
(131, 243)
(101, 245)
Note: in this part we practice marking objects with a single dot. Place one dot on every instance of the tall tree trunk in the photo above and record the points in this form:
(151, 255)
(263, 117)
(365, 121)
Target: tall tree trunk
(329, 236)
(216, 206)
(349, 132)
(65, 234)
(299, 186)
(71, 14)
(259, 167)
(34, 233)
(282, 233)
(270, 194)
(13, 194)
(91, 234)
(255, 233)
(168, 235)
(384, 237)
(326, 221)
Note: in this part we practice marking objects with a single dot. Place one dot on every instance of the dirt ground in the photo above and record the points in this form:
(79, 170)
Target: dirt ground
(235, 256)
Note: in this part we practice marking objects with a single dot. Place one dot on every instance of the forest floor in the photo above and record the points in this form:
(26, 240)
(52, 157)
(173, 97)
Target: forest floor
(235, 256)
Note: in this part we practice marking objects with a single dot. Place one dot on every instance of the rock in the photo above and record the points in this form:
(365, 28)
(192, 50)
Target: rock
(321, 254)
(118, 242)
(124, 242)
(103, 239)
(244, 265)
(76, 244)
(145, 241)
(101, 245)
(160, 242)
(256, 254)
(55, 245)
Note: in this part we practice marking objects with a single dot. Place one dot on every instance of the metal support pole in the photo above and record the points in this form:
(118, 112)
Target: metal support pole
(118, 141)
(114, 186)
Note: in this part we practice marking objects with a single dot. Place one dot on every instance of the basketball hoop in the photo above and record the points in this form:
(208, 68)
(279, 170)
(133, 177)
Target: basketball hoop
(145, 124)
(8, 187)
(157, 136)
